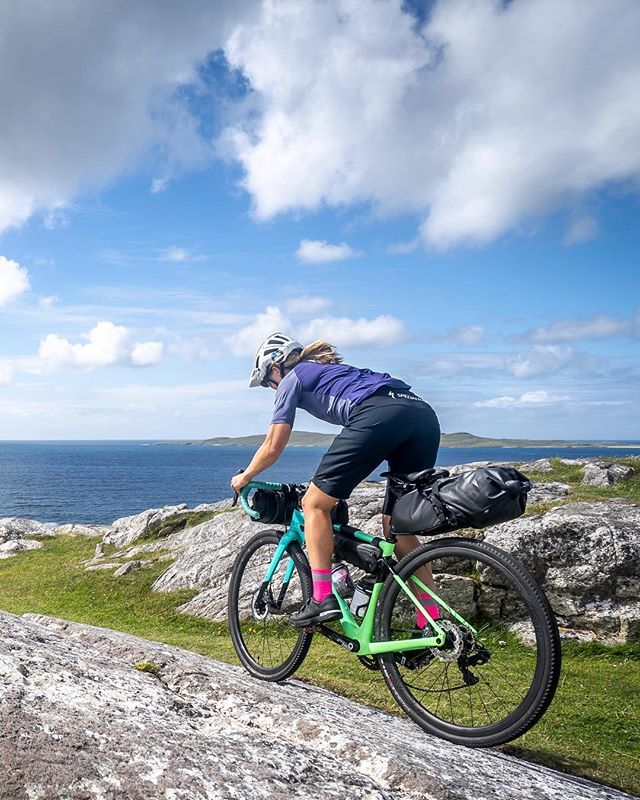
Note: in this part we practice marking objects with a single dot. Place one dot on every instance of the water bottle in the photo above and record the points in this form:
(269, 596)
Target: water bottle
(361, 597)
(341, 579)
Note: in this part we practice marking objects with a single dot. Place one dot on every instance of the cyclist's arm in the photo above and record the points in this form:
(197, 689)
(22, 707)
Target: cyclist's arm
(270, 450)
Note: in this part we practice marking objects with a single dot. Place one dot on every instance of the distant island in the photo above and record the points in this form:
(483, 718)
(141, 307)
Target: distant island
(459, 439)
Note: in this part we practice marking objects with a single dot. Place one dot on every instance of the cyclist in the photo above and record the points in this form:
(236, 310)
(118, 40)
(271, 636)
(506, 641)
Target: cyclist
(382, 420)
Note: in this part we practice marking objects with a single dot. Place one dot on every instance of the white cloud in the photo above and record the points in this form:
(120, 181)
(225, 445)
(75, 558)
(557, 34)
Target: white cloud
(307, 305)
(537, 398)
(403, 248)
(116, 75)
(158, 185)
(175, 254)
(107, 344)
(540, 360)
(488, 115)
(450, 364)
(382, 331)
(56, 216)
(146, 354)
(7, 371)
(600, 326)
(580, 230)
(48, 301)
(246, 341)
(14, 280)
(317, 251)
(469, 335)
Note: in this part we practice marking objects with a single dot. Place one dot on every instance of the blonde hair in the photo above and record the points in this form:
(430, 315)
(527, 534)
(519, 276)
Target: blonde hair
(319, 351)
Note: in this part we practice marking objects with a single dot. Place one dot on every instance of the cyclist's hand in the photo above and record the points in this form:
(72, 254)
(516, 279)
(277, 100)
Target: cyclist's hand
(239, 481)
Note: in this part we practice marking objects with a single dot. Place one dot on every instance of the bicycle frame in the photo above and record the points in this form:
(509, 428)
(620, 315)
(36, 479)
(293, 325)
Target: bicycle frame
(357, 637)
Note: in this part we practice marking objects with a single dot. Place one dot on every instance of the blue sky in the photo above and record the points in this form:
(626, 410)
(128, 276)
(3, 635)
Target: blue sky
(268, 166)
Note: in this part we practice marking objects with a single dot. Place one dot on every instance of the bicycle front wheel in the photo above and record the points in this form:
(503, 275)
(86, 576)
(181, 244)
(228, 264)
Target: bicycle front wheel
(498, 669)
(266, 643)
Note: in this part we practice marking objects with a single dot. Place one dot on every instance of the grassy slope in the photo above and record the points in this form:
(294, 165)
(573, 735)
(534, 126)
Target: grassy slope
(591, 729)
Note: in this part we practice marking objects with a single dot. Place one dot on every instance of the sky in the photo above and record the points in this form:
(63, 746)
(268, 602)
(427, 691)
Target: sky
(446, 191)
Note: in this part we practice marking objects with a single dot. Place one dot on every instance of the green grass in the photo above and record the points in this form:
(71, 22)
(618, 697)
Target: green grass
(628, 489)
(592, 728)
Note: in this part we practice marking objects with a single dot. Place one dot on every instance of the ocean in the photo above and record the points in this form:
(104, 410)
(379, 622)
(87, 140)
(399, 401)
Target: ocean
(99, 481)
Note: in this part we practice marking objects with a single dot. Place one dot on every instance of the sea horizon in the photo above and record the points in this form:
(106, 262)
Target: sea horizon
(97, 481)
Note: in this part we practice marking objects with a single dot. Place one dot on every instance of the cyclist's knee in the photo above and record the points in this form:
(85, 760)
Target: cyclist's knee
(315, 499)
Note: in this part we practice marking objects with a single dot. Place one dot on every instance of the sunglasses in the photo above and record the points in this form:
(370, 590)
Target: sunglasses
(269, 383)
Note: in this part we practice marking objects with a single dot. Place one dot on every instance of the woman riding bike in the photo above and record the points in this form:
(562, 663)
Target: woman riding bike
(382, 419)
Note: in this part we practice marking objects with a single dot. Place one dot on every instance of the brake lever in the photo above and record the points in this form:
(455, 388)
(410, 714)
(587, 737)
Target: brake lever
(236, 496)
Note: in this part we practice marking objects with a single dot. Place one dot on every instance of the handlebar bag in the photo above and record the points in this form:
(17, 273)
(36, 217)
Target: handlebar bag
(276, 506)
(474, 499)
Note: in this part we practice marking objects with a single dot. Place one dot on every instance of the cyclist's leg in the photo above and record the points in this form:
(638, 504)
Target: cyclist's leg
(417, 452)
(316, 506)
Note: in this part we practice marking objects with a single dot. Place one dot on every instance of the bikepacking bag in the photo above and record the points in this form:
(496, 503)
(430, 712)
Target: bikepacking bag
(276, 506)
(474, 499)
(362, 555)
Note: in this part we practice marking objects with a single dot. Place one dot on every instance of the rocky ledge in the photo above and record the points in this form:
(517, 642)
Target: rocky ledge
(585, 555)
(79, 721)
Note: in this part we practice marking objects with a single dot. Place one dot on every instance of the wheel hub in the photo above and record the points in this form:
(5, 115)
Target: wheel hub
(259, 607)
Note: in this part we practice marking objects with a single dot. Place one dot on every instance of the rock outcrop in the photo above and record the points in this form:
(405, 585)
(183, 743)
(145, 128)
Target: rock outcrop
(14, 546)
(127, 529)
(586, 556)
(79, 722)
(20, 528)
(605, 473)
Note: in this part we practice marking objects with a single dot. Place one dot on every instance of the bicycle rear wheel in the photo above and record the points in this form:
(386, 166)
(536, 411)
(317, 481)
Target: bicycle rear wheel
(266, 643)
(480, 688)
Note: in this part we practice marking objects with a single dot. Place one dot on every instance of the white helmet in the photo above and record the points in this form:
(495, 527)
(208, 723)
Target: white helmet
(274, 350)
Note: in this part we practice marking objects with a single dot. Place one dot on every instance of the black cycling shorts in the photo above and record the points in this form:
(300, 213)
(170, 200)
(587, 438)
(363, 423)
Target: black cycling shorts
(391, 425)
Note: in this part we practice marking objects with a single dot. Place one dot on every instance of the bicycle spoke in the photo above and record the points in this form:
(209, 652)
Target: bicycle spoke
(482, 673)
(266, 637)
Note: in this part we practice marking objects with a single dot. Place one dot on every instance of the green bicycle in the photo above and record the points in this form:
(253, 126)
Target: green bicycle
(481, 674)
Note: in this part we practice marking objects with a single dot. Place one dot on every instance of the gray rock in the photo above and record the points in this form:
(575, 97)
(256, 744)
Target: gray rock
(132, 566)
(540, 465)
(14, 546)
(547, 492)
(605, 473)
(127, 529)
(82, 530)
(103, 566)
(78, 721)
(18, 528)
(126, 568)
(99, 551)
(587, 558)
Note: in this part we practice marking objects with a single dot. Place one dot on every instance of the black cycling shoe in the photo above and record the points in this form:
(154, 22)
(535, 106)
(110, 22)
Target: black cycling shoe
(313, 613)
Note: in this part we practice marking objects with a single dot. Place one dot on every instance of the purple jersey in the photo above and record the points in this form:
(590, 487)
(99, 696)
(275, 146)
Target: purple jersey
(328, 391)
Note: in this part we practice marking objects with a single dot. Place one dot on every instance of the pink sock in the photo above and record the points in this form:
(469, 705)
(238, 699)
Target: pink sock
(432, 610)
(322, 586)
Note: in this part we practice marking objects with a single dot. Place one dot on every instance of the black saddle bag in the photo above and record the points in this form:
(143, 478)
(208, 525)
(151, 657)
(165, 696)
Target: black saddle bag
(474, 499)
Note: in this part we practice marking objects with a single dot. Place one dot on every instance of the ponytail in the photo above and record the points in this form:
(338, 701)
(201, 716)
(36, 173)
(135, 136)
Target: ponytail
(319, 351)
